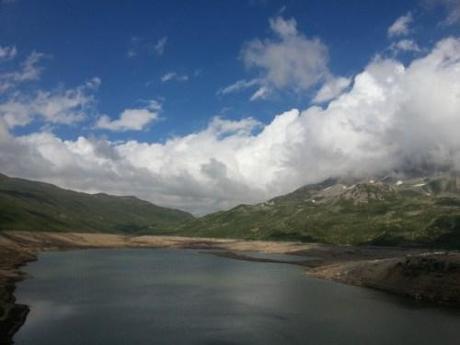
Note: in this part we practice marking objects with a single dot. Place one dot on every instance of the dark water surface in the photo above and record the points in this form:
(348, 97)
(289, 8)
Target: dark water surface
(157, 296)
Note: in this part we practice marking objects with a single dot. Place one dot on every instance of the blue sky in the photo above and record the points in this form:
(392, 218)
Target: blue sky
(169, 68)
(86, 39)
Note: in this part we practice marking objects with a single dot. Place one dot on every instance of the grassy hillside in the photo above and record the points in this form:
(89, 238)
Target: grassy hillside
(28, 205)
(422, 211)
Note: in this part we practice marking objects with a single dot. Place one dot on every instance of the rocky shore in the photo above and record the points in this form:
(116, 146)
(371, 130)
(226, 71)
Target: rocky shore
(433, 277)
(416, 273)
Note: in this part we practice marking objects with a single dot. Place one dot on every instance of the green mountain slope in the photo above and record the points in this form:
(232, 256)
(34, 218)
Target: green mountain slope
(36, 206)
(422, 211)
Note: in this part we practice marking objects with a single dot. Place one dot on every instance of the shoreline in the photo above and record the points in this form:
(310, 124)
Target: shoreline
(412, 272)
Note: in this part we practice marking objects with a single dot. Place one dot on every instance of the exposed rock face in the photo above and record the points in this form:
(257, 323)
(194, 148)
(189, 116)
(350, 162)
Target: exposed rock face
(422, 212)
(365, 192)
(12, 315)
(431, 277)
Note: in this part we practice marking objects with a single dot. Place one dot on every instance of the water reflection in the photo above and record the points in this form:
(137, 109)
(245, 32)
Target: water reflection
(44, 311)
(186, 297)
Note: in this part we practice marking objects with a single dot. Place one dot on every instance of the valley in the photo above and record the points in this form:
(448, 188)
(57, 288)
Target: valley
(396, 236)
(416, 273)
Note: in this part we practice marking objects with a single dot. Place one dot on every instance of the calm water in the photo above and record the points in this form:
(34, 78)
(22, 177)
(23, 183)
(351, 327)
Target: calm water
(186, 297)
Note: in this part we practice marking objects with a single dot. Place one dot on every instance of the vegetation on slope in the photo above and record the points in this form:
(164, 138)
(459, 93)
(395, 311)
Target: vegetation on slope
(423, 211)
(36, 206)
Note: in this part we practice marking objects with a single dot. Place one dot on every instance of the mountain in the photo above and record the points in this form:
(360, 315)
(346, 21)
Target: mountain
(417, 211)
(36, 206)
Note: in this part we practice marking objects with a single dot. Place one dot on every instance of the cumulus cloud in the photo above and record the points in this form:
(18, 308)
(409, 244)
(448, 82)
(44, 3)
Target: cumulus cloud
(131, 119)
(284, 27)
(290, 61)
(222, 127)
(173, 76)
(331, 89)
(58, 106)
(61, 106)
(388, 119)
(401, 26)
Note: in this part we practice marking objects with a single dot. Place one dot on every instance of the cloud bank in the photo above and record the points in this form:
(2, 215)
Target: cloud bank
(392, 117)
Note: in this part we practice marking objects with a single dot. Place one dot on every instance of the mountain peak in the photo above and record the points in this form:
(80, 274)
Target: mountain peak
(420, 210)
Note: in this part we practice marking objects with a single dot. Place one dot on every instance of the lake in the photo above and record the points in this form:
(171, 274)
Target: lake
(167, 296)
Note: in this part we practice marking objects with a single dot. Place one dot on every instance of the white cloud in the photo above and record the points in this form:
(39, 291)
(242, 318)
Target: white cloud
(454, 11)
(135, 44)
(131, 53)
(406, 45)
(284, 27)
(388, 120)
(139, 45)
(222, 127)
(4, 133)
(131, 119)
(262, 92)
(401, 26)
(61, 106)
(173, 76)
(29, 70)
(238, 86)
(331, 89)
(291, 61)
(452, 7)
(7, 53)
(160, 46)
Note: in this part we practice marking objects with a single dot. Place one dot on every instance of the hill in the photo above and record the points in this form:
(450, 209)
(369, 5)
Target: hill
(36, 206)
(419, 211)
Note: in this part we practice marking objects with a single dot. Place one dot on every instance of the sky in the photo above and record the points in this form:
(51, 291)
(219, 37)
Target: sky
(204, 105)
